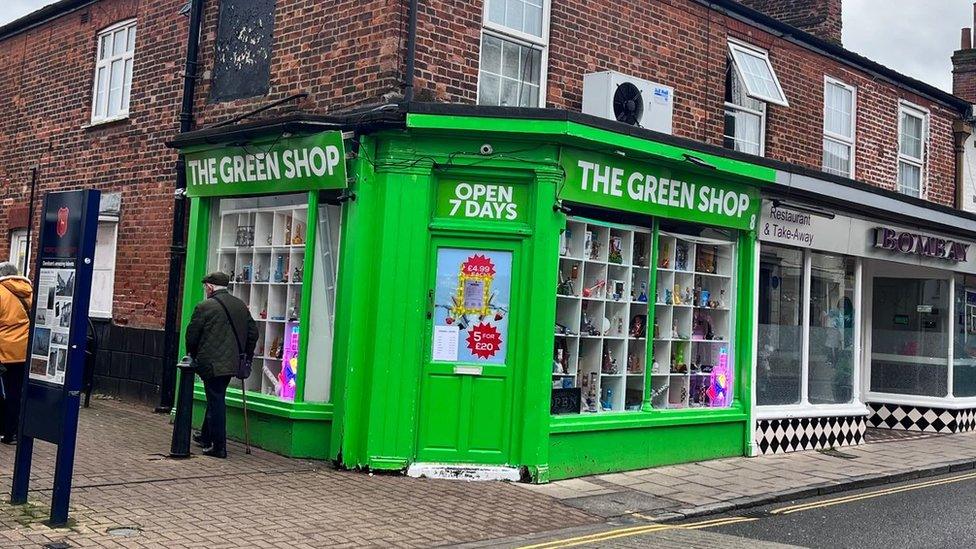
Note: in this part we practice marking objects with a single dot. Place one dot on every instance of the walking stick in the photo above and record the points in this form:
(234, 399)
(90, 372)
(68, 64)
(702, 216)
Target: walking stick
(247, 434)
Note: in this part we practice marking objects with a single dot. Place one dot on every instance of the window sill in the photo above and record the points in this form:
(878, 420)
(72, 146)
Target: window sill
(105, 122)
(951, 403)
(811, 410)
(607, 421)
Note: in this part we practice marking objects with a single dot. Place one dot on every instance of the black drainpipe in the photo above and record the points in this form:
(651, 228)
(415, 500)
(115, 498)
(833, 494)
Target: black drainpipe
(167, 390)
(411, 52)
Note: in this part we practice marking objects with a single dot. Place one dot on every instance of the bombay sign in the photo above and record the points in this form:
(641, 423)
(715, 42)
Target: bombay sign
(906, 242)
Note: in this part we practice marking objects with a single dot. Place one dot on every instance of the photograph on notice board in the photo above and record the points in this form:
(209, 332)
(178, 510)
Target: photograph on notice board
(63, 314)
(66, 283)
(38, 367)
(42, 341)
(42, 317)
(59, 338)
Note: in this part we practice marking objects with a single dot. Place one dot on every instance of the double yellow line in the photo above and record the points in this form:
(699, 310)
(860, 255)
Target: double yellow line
(868, 495)
(636, 531)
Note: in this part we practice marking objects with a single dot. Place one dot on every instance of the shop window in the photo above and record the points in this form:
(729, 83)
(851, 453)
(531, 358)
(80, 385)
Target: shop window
(830, 370)
(514, 46)
(113, 72)
(909, 339)
(625, 344)
(839, 109)
(18, 249)
(321, 324)
(806, 327)
(601, 314)
(755, 70)
(911, 149)
(780, 337)
(242, 50)
(693, 310)
(103, 274)
(964, 339)
(260, 243)
(745, 117)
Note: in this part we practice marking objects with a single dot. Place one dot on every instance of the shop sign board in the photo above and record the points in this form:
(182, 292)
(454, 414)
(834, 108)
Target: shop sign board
(268, 166)
(862, 238)
(58, 336)
(623, 184)
(482, 200)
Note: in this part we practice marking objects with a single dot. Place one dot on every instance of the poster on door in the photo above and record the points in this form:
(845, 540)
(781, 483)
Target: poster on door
(471, 306)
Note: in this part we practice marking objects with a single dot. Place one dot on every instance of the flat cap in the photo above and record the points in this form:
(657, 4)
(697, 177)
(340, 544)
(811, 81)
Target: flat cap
(217, 279)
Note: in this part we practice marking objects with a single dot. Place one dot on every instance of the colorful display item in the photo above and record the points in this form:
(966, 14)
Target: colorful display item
(288, 377)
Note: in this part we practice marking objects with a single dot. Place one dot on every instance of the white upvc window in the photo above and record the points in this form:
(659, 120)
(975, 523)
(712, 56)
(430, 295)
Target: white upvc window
(912, 140)
(103, 272)
(514, 53)
(754, 68)
(19, 254)
(840, 106)
(745, 117)
(113, 72)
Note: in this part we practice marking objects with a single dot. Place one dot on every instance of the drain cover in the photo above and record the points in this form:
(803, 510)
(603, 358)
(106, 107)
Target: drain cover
(57, 545)
(124, 531)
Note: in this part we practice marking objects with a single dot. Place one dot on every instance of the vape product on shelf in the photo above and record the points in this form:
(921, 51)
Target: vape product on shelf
(617, 288)
(588, 251)
(593, 291)
(642, 298)
(565, 286)
(298, 239)
(616, 250)
(608, 403)
(676, 294)
(705, 259)
(681, 256)
(638, 327)
(279, 268)
(665, 257)
(564, 243)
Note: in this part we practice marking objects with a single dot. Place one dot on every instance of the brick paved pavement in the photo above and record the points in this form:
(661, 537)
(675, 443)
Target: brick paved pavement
(678, 491)
(261, 500)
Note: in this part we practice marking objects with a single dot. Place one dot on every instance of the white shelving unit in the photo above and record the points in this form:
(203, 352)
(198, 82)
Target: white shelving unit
(601, 314)
(263, 252)
(693, 317)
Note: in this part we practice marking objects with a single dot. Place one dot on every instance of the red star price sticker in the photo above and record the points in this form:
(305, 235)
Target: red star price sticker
(484, 341)
(478, 265)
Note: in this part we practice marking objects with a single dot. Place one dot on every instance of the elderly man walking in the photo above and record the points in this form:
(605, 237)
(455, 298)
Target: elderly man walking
(221, 329)
(16, 296)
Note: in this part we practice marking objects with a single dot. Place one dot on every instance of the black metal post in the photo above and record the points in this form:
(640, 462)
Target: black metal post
(182, 424)
(30, 218)
(178, 242)
(411, 52)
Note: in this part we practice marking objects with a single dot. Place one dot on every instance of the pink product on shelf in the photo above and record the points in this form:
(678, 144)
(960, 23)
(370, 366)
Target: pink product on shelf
(287, 378)
(720, 386)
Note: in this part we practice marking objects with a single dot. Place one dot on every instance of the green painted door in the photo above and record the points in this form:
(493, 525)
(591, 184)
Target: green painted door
(470, 352)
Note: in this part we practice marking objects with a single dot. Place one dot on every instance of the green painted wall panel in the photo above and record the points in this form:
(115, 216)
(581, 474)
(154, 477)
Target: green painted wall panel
(595, 452)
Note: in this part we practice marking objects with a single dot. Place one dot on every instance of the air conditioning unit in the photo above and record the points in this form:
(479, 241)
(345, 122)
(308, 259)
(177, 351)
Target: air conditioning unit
(630, 100)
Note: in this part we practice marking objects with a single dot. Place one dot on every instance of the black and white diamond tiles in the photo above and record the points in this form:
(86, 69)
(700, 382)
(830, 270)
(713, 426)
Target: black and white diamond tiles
(776, 436)
(921, 418)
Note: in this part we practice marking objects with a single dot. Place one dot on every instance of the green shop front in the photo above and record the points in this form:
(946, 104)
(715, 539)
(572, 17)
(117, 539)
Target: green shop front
(495, 296)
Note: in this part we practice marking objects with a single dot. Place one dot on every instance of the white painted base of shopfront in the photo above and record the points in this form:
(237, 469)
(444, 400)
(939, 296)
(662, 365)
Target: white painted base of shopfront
(455, 471)
(777, 436)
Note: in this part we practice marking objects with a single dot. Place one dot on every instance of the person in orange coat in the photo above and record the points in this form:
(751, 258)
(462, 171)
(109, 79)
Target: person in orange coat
(16, 295)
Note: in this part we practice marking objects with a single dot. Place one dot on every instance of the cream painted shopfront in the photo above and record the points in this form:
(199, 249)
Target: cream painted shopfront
(860, 323)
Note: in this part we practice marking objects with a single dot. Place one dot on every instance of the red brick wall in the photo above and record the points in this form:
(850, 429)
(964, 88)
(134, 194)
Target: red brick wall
(821, 18)
(46, 79)
(345, 53)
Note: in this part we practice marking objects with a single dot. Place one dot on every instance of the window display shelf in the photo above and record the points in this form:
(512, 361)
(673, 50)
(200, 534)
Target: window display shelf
(604, 271)
(695, 282)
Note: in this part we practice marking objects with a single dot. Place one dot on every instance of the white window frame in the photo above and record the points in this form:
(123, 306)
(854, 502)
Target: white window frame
(16, 237)
(521, 38)
(760, 113)
(805, 408)
(904, 107)
(737, 48)
(127, 55)
(836, 137)
(110, 223)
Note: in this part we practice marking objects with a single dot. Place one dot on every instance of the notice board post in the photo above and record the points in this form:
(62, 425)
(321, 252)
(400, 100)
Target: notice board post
(56, 358)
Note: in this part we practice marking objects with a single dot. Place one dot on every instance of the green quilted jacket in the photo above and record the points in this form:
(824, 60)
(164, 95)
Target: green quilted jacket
(210, 339)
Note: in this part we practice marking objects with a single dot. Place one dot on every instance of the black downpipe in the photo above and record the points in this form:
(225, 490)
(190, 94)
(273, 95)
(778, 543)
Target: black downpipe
(30, 220)
(167, 389)
(411, 52)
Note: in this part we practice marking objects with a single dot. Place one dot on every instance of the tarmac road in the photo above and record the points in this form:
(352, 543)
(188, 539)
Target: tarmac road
(934, 512)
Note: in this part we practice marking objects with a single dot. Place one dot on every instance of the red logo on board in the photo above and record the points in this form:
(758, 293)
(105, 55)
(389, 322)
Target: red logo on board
(62, 221)
(484, 341)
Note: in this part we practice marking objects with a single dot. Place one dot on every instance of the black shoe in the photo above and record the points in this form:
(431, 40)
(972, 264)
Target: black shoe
(8, 439)
(202, 442)
(215, 453)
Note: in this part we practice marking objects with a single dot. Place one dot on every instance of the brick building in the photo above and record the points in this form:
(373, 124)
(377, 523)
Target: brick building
(740, 79)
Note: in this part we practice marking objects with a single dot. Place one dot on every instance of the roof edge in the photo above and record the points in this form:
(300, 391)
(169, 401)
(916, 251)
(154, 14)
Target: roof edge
(41, 16)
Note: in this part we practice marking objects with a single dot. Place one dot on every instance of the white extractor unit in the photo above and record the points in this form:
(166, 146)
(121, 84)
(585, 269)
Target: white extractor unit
(630, 100)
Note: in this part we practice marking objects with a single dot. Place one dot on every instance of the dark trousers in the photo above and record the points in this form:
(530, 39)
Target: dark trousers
(13, 385)
(214, 429)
